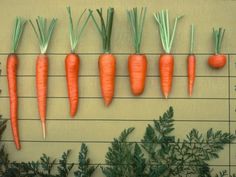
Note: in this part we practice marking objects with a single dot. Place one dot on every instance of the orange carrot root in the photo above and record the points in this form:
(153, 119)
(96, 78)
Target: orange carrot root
(166, 69)
(12, 62)
(217, 61)
(191, 73)
(137, 66)
(72, 63)
(107, 69)
(41, 88)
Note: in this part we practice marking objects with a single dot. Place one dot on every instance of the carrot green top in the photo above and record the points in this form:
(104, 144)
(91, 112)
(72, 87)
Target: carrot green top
(191, 39)
(218, 38)
(43, 34)
(76, 31)
(17, 32)
(137, 22)
(105, 29)
(162, 19)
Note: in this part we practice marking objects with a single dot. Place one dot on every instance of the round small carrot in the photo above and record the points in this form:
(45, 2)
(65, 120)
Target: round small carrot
(12, 63)
(191, 60)
(44, 35)
(72, 62)
(137, 63)
(217, 60)
(166, 60)
(107, 61)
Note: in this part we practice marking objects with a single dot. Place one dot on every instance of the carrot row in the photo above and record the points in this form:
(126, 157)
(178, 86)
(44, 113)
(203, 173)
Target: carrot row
(137, 61)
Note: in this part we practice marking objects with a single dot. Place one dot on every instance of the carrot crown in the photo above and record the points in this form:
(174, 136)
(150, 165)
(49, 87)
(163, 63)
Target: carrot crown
(137, 22)
(76, 31)
(218, 38)
(43, 34)
(162, 19)
(17, 33)
(191, 39)
(106, 28)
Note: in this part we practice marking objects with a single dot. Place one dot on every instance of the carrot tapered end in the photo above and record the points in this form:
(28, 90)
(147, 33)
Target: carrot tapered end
(166, 95)
(18, 147)
(44, 130)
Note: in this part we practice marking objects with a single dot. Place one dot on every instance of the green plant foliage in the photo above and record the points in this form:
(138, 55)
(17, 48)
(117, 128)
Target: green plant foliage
(84, 168)
(159, 154)
(119, 156)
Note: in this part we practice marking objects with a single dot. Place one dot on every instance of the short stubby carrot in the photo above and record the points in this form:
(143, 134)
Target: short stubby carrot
(12, 62)
(137, 66)
(41, 88)
(191, 72)
(72, 63)
(107, 70)
(166, 69)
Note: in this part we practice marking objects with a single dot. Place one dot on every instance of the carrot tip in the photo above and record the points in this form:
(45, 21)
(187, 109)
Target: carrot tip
(166, 96)
(18, 147)
(44, 130)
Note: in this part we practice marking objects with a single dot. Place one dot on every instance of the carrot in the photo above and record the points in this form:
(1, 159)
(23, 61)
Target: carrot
(217, 60)
(137, 63)
(12, 63)
(191, 60)
(72, 62)
(107, 61)
(166, 60)
(44, 35)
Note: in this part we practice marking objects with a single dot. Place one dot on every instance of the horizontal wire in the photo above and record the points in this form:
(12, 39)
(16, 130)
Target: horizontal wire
(99, 142)
(116, 120)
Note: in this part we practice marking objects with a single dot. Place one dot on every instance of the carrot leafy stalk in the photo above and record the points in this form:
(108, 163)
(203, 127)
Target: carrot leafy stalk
(17, 33)
(72, 60)
(217, 60)
(218, 38)
(105, 29)
(12, 63)
(166, 60)
(44, 35)
(107, 61)
(137, 23)
(137, 63)
(76, 30)
(167, 38)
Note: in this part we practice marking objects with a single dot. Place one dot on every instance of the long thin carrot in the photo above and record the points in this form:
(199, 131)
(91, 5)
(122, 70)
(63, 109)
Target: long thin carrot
(44, 35)
(12, 63)
(191, 60)
(72, 61)
(137, 63)
(107, 61)
(166, 60)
